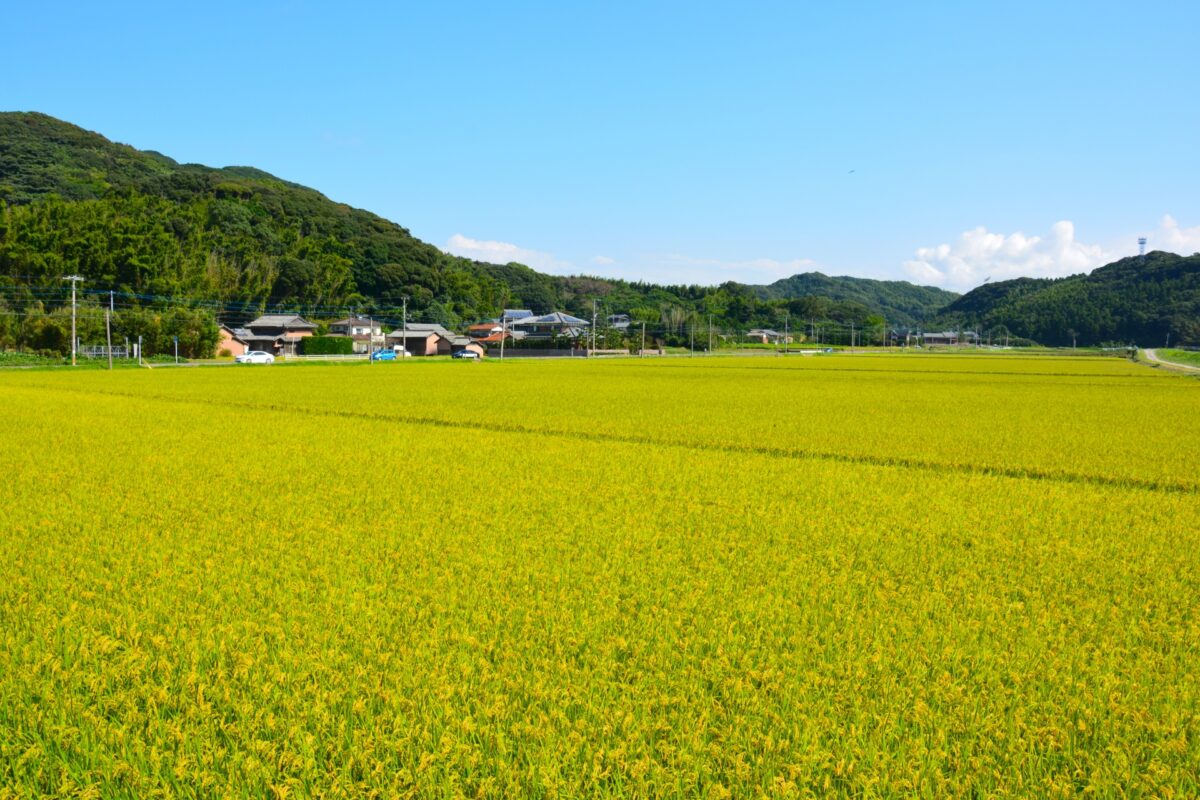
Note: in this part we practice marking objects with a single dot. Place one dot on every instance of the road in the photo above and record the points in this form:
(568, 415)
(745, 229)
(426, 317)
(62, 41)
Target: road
(1152, 357)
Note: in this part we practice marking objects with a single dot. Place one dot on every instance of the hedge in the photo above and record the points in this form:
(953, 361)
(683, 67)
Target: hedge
(326, 346)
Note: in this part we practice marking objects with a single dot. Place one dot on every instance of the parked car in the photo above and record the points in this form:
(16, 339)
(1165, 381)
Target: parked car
(465, 354)
(390, 355)
(255, 357)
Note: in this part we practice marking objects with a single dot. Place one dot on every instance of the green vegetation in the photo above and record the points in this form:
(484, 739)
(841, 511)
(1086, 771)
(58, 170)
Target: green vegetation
(899, 302)
(238, 240)
(326, 346)
(1126, 301)
(26, 323)
(34, 360)
(8, 359)
(858, 576)
(1189, 357)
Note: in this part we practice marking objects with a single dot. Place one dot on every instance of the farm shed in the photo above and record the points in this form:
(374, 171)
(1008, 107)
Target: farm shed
(425, 339)
(231, 342)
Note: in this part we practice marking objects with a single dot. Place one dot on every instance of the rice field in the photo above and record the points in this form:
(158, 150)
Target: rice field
(864, 576)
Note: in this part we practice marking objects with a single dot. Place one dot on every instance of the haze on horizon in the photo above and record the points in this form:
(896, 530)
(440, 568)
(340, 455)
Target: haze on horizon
(678, 144)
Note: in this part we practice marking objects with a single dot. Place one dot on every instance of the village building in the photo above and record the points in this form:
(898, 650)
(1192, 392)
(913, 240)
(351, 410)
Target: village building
(366, 334)
(620, 322)
(482, 330)
(231, 343)
(903, 337)
(490, 330)
(949, 338)
(552, 325)
(767, 336)
(431, 339)
(278, 334)
(512, 315)
(494, 339)
(476, 346)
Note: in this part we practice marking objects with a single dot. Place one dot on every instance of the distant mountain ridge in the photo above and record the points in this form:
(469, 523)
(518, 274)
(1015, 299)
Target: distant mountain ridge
(1128, 301)
(900, 301)
(142, 222)
(239, 240)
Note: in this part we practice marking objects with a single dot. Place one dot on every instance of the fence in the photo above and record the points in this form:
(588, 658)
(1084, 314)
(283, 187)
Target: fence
(530, 352)
(100, 351)
(328, 357)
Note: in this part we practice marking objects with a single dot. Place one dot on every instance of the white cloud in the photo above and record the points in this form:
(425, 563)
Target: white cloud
(979, 254)
(1170, 236)
(503, 252)
(961, 264)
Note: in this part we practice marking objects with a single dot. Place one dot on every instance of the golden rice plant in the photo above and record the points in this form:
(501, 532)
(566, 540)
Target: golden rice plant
(858, 576)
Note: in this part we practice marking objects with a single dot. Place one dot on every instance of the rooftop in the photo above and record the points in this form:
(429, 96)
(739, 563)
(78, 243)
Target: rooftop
(293, 321)
(422, 329)
(348, 321)
(554, 318)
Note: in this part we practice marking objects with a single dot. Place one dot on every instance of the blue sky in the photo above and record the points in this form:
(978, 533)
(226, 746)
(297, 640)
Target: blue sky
(681, 142)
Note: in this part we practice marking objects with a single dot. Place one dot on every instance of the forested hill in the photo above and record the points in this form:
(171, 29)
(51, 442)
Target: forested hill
(139, 222)
(142, 224)
(1126, 301)
(900, 300)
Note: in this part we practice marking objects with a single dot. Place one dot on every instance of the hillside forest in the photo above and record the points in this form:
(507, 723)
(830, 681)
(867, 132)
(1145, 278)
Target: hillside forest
(175, 248)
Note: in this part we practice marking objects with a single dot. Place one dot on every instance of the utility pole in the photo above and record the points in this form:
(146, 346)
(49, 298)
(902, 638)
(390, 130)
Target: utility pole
(1168, 339)
(110, 301)
(108, 333)
(593, 328)
(710, 343)
(692, 341)
(503, 333)
(74, 279)
(175, 340)
(851, 337)
(787, 330)
(370, 340)
(404, 327)
(642, 352)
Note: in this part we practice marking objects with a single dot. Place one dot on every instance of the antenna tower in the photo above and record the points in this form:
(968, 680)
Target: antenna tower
(1142, 248)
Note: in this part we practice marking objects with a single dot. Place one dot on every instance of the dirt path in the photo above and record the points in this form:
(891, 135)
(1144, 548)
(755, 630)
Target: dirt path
(1152, 357)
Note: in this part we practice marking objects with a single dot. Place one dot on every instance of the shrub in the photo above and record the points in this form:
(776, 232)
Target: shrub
(326, 346)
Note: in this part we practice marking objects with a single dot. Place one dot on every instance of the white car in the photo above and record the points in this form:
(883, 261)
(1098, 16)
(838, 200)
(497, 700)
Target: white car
(255, 357)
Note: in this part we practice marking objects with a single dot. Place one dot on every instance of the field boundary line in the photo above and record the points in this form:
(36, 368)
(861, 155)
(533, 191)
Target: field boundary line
(893, 371)
(797, 454)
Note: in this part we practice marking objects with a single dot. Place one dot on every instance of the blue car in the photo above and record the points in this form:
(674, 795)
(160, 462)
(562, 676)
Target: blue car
(465, 354)
(390, 355)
